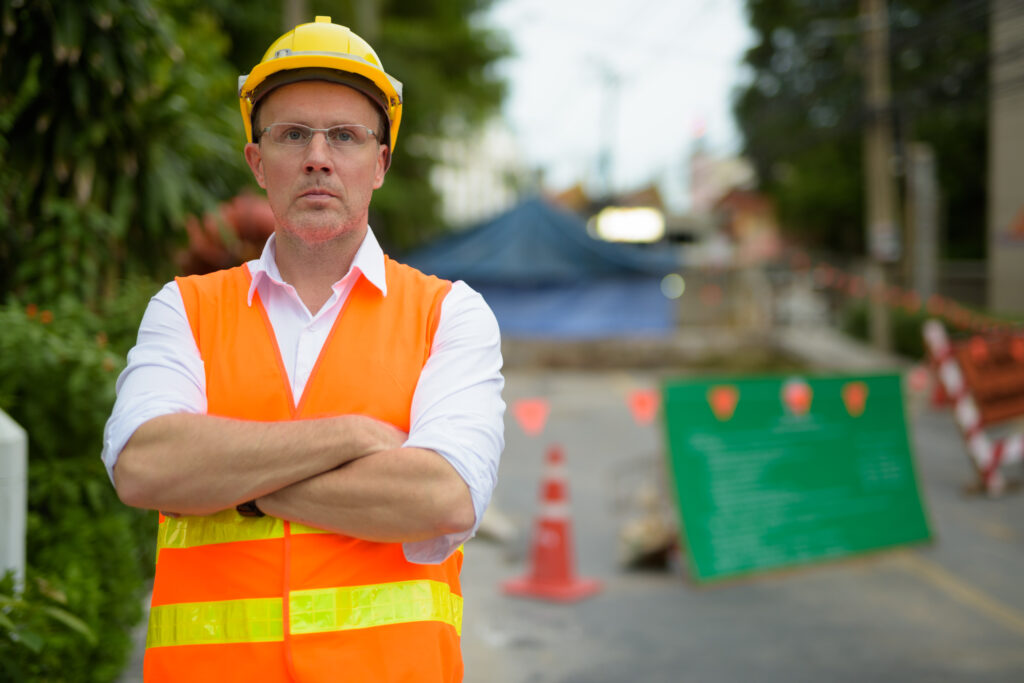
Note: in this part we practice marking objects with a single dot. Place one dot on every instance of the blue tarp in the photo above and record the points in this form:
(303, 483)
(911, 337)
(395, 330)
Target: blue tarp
(592, 309)
(544, 276)
(536, 242)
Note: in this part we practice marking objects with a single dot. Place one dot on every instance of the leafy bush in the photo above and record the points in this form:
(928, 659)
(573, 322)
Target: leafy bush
(88, 555)
(28, 619)
(118, 119)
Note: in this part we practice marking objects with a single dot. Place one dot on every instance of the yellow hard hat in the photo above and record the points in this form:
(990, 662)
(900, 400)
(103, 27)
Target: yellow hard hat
(323, 51)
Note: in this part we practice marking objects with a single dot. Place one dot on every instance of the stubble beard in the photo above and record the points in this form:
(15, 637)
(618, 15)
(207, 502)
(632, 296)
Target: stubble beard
(321, 226)
(316, 225)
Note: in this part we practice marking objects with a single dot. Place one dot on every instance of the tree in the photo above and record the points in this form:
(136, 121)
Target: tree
(445, 60)
(802, 113)
(112, 131)
(119, 119)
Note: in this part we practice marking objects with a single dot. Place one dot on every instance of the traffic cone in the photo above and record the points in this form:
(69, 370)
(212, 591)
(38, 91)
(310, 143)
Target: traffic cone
(553, 574)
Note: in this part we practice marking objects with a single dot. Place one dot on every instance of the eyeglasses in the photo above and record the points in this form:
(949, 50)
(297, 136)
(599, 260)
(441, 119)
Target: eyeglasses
(345, 136)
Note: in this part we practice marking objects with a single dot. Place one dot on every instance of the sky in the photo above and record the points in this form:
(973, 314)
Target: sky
(635, 81)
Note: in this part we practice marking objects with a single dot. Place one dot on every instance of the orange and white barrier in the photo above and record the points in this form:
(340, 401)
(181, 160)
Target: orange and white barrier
(987, 454)
(849, 284)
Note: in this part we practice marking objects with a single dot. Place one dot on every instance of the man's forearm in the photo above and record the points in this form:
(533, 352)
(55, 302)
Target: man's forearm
(399, 495)
(199, 464)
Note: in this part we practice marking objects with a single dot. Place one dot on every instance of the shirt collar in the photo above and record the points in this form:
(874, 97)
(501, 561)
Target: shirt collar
(369, 261)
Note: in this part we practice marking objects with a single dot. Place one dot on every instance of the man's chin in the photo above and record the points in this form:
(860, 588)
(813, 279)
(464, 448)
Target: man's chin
(320, 232)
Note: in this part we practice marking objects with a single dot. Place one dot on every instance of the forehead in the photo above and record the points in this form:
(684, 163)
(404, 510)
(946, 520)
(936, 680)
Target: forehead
(317, 102)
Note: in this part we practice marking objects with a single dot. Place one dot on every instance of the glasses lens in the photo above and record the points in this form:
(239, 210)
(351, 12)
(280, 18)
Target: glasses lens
(289, 134)
(348, 135)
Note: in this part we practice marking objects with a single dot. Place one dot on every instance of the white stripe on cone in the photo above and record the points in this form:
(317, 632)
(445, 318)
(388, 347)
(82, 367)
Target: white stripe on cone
(554, 511)
(556, 472)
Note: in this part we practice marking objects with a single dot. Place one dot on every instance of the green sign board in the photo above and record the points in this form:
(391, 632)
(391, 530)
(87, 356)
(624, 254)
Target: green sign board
(771, 472)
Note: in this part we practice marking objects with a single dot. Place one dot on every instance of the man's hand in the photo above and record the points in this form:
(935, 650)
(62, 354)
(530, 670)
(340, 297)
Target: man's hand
(396, 495)
(376, 435)
(347, 474)
(200, 464)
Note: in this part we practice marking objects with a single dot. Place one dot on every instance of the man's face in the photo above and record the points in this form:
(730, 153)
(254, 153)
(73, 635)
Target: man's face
(318, 192)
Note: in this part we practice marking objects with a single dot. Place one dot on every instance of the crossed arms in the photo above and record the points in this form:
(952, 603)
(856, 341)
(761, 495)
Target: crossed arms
(350, 474)
(347, 474)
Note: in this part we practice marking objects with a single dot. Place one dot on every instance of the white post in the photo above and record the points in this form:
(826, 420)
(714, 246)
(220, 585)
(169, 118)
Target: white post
(13, 497)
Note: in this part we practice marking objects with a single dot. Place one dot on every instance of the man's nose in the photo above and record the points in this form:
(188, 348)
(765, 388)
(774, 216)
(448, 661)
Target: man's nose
(318, 154)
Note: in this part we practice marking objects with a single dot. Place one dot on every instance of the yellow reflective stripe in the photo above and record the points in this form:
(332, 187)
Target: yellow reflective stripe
(257, 620)
(303, 529)
(351, 607)
(322, 610)
(225, 526)
(222, 527)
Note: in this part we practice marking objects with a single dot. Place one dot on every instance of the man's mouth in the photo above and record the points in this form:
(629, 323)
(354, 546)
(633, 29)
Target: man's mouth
(317, 193)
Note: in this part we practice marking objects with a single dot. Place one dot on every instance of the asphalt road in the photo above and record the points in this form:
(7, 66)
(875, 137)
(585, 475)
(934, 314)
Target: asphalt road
(950, 610)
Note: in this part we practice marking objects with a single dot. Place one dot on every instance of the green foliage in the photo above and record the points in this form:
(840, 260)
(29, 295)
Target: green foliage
(88, 555)
(113, 127)
(28, 621)
(119, 118)
(802, 114)
(445, 61)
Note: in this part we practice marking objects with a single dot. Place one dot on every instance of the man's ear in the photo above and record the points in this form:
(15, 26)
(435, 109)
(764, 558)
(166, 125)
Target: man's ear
(383, 164)
(254, 157)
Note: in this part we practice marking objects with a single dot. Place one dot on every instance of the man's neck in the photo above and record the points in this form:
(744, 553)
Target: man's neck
(312, 269)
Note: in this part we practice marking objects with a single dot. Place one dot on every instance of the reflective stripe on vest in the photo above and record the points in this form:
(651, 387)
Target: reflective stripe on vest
(259, 620)
(225, 526)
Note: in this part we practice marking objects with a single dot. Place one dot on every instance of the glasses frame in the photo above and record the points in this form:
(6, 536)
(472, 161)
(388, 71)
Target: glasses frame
(313, 131)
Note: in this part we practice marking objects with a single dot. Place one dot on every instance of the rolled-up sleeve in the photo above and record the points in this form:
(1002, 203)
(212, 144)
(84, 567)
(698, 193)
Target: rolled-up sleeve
(164, 374)
(457, 408)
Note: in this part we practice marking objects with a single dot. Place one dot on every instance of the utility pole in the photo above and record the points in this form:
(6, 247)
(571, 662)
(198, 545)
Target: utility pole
(295, 12)
(881, 232)
(367, 20)
(1006, 159)
(610, 79)
(921, 228)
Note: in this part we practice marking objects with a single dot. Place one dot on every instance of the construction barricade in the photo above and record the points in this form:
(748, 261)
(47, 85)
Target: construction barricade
(983, 378)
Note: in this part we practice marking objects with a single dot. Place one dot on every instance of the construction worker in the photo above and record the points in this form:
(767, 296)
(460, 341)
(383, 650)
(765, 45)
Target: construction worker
(321, 426)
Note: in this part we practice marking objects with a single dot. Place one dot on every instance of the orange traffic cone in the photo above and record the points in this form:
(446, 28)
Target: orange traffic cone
(553, 574)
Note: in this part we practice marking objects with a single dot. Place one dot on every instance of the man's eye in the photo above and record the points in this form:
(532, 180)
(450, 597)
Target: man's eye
(342, 134)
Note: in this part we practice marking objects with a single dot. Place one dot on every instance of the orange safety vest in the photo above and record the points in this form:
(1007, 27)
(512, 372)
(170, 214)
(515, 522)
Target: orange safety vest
(263, 599)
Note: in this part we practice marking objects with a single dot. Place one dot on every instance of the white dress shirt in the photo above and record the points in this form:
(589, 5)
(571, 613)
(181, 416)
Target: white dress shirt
(457, 409)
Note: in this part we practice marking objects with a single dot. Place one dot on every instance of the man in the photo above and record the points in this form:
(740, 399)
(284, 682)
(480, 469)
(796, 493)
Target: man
(321, 426)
